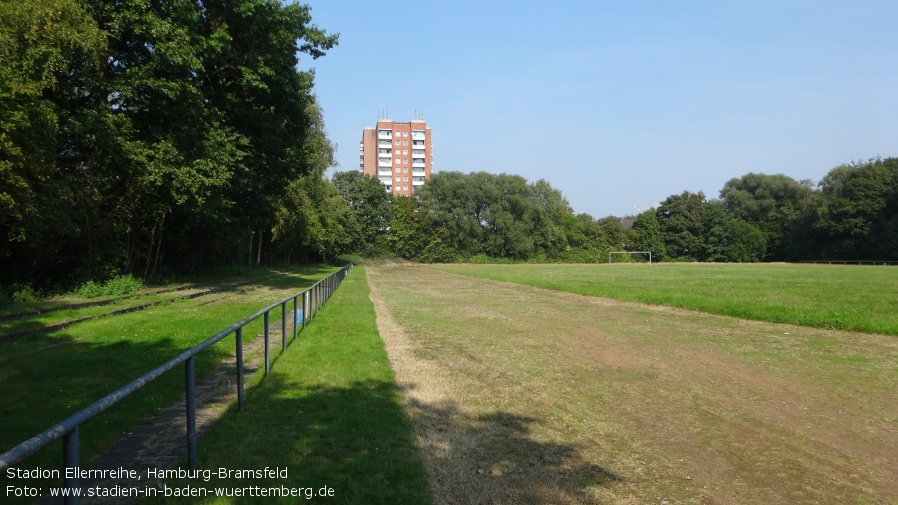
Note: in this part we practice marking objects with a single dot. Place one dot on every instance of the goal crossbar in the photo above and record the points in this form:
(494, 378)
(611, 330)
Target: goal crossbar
(630, 252)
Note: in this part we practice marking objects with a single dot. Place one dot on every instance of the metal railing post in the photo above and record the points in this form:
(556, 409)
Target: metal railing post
(190, 380)
(294, 317)
(240, 369)
(70, 456)
(267, 366)
(284, 326)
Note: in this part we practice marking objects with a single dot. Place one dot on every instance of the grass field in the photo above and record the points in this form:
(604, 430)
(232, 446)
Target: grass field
(513, 394)
(822, 296)
(525, 395)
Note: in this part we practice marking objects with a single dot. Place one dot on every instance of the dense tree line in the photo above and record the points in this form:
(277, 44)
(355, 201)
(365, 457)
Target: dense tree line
(142, 136)
(852, 214)
(173, 135)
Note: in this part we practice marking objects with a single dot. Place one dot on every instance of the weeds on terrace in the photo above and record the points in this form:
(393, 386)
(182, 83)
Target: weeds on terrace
(117, 286)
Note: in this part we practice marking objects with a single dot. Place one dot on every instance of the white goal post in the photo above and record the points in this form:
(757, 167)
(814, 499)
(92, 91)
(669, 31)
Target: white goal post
(630, 252)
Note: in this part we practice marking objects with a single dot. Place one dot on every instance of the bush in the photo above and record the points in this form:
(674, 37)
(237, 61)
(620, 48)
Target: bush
(117, 286)
(24, 294)
(581, 255)
(122, 285)
(484, 259)
(89, 289)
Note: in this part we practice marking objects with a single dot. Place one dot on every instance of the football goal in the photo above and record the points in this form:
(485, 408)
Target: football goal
(630, 252)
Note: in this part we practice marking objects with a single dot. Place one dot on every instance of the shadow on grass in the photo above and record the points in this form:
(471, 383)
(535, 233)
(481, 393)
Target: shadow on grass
(358, 441)
(25, 319)
(355, 440)
(42, 388)
(291, 277)
(496, 458)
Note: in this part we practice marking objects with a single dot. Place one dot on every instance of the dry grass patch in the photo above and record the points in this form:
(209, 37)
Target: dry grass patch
(524, 395)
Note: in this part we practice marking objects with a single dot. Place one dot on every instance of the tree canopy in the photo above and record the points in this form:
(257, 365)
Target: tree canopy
(500, 216)
(851, 214)
(775, 204)
(138, 136)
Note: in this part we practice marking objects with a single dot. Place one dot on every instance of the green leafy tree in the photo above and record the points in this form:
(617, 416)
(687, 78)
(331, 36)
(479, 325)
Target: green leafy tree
(455, 205)
(51, 55)
(508, 217)
(775, 204)
(500, 216)
(249, 76)
(681, 219)
(647, 235)
(410, 233)
(551, 213)
(589, 240)
(135, 135)
(308, 221)
(612, 236)
(730, 239)
(370, 208)
(859, 217)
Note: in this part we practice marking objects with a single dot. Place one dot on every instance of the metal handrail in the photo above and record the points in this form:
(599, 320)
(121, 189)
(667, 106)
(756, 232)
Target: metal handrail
(884, 263)
(313, 298)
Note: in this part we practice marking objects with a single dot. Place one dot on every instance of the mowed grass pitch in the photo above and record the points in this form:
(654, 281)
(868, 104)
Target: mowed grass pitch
(823, 296)
(526, 395)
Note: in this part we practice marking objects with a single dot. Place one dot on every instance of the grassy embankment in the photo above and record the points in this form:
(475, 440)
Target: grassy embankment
(49, 376)
(821, 296)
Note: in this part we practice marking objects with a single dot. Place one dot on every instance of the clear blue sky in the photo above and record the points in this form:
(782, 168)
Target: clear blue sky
(618, 103)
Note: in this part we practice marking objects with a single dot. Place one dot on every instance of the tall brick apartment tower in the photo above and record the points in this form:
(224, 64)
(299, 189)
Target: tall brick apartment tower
(399, 154)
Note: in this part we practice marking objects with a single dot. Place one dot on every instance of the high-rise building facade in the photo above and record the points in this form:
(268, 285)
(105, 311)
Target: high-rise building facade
(400, 155)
